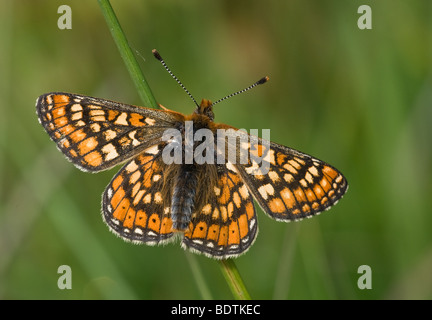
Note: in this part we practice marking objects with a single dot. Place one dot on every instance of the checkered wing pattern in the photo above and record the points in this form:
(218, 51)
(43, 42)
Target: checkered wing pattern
(226, 226)
(287, 184)
(212, 205)
(97, 134)
(133, 205)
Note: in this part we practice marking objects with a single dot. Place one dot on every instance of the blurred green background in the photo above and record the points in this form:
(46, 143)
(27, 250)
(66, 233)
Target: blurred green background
(358, 99)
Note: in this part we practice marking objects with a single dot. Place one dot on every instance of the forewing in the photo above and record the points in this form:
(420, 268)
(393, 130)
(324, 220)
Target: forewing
(97, 134)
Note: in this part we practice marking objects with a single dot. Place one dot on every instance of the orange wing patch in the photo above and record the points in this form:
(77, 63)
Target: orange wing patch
(132, 206)
(231, 227)
(97, 134)
(296, 185)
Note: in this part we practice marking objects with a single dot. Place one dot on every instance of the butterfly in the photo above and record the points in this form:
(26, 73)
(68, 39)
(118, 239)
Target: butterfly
(156, 197)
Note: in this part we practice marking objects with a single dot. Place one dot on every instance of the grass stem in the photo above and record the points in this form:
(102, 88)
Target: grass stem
(234, 280)
(126, 53)
(228, 267)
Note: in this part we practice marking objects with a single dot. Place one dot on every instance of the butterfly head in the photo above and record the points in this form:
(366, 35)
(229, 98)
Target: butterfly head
(205, 108)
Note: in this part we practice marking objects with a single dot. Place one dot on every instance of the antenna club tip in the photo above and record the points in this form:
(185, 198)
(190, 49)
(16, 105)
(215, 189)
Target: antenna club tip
(263, 80)
(156, 54)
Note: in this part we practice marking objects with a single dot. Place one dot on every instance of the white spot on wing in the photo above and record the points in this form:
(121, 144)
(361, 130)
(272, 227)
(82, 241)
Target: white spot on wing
(76, 116)
(121, 119)
(76, 107)
(131, 167)
(138, 230)
(314, 171)
(110, 152)
(266, 190)
(252, 224)
(150, 121)
(231, 167)
(151, 233)
(153, 150)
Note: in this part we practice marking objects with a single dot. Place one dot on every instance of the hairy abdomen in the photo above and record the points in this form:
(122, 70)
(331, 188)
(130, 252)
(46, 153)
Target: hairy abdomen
(183, 196)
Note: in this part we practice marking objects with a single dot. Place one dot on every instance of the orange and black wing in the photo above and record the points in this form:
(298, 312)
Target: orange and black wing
(133, 205)
(288, 184)
(226, 226)
(97, 134)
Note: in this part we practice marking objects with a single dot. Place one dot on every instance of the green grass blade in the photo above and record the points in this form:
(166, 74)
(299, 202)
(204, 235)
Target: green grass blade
(234, 280)
(228, 267)
(126, 53)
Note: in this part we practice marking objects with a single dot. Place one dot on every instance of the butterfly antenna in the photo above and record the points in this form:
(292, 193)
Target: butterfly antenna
(260, 81)
(158, 56)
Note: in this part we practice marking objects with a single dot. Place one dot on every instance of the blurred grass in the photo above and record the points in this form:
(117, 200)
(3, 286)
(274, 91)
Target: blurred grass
(360, 100)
